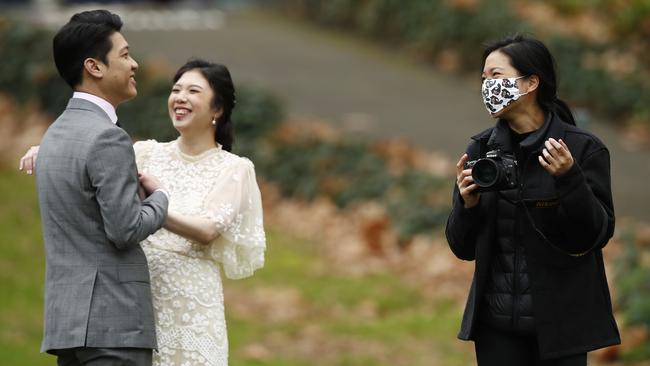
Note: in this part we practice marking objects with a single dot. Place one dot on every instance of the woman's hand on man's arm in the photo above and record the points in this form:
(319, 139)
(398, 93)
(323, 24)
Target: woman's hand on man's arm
(28, 161)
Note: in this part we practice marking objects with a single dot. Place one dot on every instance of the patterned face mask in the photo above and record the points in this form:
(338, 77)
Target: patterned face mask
(500, 93)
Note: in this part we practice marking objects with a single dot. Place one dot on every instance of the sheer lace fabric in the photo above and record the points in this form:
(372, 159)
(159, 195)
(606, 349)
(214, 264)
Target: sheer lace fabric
(185, 279)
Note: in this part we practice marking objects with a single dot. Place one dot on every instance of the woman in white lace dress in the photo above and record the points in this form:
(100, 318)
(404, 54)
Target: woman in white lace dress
(215, 218)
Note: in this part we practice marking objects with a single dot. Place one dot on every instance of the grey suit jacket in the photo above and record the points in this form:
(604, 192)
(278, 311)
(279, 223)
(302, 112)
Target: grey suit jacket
(97, 291)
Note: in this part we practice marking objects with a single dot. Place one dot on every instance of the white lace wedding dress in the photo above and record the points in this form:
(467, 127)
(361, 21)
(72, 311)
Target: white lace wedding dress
(185, 278)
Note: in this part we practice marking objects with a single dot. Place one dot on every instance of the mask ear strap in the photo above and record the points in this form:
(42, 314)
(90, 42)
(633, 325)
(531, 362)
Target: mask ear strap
(521, 77)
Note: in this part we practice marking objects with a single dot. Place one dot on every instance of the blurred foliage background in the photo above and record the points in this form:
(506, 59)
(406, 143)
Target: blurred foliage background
(603, 44)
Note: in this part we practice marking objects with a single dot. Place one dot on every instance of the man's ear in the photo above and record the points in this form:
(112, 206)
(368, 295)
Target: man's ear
(94, 68)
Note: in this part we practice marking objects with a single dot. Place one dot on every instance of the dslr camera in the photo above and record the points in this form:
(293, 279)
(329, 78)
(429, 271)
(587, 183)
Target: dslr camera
(497, 171)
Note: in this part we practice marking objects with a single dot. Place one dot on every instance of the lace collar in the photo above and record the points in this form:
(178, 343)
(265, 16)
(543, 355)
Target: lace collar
(194, 158)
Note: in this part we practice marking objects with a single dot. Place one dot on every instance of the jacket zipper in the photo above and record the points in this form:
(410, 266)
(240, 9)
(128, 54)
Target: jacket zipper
(517, 244)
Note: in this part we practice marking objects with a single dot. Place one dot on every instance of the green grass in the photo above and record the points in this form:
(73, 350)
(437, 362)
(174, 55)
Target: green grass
(22, 267)
(402, 327)
(405, 323)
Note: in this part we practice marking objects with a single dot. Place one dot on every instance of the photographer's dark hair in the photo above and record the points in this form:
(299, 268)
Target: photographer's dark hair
(531, 57)
(221, 83)
(86, 35)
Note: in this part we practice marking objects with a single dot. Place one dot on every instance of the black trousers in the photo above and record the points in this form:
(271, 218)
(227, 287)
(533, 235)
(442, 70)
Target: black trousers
(86, 356)
(498, 348)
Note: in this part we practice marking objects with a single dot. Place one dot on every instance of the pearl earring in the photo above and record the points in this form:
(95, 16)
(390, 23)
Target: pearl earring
(214, 122)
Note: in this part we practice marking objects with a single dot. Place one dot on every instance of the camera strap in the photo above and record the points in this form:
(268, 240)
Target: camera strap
(483, 146)
(537, 230)
(546, 239)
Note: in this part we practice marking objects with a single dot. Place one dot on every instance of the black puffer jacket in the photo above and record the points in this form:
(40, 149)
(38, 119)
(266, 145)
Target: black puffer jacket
(508, 302)
(569, 219)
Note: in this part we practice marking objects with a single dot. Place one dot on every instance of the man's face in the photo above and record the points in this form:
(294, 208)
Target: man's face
(118, 83)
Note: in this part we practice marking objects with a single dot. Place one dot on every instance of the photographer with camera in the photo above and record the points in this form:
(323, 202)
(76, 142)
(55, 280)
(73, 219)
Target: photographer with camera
(532, 205)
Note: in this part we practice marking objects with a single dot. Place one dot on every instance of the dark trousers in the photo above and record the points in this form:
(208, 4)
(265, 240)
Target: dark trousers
(86, 356)
(498, 348)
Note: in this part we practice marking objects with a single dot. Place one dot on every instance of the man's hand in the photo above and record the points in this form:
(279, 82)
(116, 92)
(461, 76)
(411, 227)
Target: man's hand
(149, 183)
(28, 161)
(466, 184)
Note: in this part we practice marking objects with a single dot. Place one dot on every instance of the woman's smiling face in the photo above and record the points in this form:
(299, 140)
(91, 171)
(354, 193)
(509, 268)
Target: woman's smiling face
(190, 102)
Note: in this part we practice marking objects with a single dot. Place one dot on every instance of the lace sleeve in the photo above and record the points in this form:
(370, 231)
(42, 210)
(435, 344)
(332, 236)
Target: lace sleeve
(142, 150)
(235, 207)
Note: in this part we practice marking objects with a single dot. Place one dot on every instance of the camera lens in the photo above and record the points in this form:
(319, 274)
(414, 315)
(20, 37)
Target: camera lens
(485, 173)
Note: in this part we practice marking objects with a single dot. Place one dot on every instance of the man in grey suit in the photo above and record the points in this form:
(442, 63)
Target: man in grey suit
(98, 308)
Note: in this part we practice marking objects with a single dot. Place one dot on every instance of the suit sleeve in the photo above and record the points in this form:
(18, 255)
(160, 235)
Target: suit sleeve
(586, 206)
(112, 172)
(462, 223)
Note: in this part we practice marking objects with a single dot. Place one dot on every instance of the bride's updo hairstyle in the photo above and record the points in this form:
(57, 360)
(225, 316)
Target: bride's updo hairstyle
(221, 83)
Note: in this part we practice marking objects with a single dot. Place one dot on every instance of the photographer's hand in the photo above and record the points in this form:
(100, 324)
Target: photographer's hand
(556, 157)
(466, 184)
